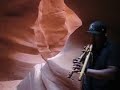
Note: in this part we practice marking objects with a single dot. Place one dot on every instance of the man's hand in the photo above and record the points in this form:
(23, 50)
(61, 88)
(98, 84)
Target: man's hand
(77, 65)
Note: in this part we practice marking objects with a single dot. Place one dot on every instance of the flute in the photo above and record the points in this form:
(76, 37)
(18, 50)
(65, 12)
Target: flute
(85, 62)
(84, 57)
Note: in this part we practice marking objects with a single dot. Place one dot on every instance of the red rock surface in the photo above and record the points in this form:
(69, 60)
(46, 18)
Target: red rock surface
(9, 85)
(20, 45)
(16, 39)
(54, 24)
(19, 51)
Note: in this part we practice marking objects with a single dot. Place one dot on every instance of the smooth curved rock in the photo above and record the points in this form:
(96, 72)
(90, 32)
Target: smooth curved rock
(17, 39)
(18, 49)
(54, 24)
(52, 75)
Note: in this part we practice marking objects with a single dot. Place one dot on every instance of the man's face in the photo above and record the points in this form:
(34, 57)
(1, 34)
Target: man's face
(98, 40)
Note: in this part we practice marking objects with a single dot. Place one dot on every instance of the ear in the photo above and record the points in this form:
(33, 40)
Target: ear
(106, 34)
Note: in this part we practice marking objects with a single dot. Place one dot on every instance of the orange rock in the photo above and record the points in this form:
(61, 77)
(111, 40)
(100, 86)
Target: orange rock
(54, 24)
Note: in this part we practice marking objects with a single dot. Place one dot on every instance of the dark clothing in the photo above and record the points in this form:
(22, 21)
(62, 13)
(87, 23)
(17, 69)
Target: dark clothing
(107, 56)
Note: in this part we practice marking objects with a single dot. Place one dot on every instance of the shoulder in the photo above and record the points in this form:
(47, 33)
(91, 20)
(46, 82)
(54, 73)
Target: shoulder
(114, 58)
(115, 47)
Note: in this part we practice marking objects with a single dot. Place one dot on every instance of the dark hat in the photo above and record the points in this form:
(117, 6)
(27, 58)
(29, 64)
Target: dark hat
(97, 27)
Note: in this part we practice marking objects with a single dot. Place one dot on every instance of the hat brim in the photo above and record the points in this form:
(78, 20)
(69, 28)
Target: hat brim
(93, 32)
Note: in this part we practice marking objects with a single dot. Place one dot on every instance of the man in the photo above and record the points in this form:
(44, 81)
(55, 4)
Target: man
(102, 72)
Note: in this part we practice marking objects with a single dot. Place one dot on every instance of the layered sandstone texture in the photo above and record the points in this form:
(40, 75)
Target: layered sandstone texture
(29, 29)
